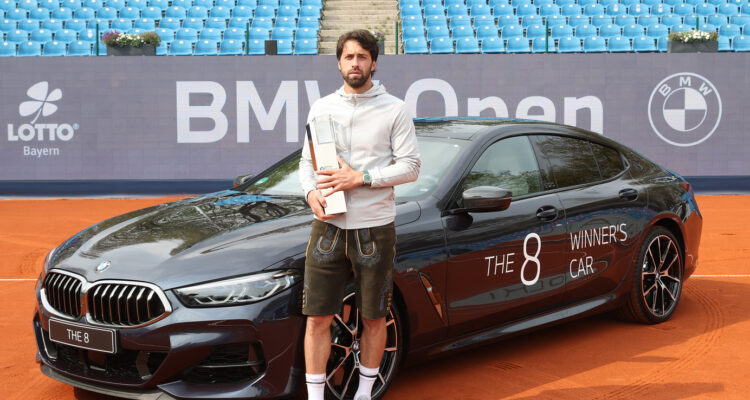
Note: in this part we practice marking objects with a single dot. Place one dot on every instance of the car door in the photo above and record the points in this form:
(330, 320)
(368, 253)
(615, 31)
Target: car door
(504, 264)
(600, 202)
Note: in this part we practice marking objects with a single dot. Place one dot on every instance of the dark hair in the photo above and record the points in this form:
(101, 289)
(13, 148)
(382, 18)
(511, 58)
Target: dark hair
(363, 37)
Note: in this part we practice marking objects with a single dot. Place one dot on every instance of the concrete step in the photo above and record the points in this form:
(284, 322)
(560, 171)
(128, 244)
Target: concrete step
(357, 12)
(367, 19)
(348, 26)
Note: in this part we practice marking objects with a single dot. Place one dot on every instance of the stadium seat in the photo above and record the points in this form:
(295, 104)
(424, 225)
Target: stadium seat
(39, 14)
(522, 11)
(740, 20)
(122, 25)
(569, 44)
(639, 10)
(107, 13)
(103, 24)
(616, 10)
(170, 23)
(187, 34)
(257, 47)
(741, 43)
(729, 30)
(493, 46)
(116, 4)
(66, 35)
(152, 13)
(29, 49)
(511, 31)
(204, 3)
(181, 48)
(412, 20)
(661, 10)
(51, 24)
(163, 48)
(518, 45)
(662, 44)
(210, 34)
(670, 20)
(54, 48)
(309, 11)
(695, 2)
(502, 10)
(28, 25)
(433, 9)
(60, 13)
(139, 4)
(7, 49)
(282, 34)
(27, 5)
(7, 25)
(507, 20)
(549, 10)
(255, 33)
(536, 31)
(467, 45)
(594, 44)
(196, 12)
(601, 21)
(578, 20)
(145, 24)
(644, 44)
(462, 32)
(182, 3)
(683, 10)
(166, 34)
(432, 33)
(87, 35)
(193, 23)
(571, 10)
(728, 9)
(18, 36)
(176, 12)
(717, 20)
(624, 20)
(584, 31)
(555, 20)
(284, 47)
(79, 48)
(206, 47)
(657, 31)
(413, 32)
(647, 20)
(673, 2)
(745, 9)
(262, 23)
(84, 13)
(271, 3)
(233, 47)
(584, 3)
(238, 22)
(415, 46)
(532, 20)
(487, 32)
(458, 22)
(593, 10)
(560, 31)
(724, 43)
(486, 20)
(284, 11)
(441, 45)
(705, 9)
(608, 3)
(438, 20)
(7, 5)
(307, 33)
(129, 13)
(217, 23)
(619, 44)
(248, 3)
(455, 10)
(539, 45)
(709, 27)
(633, 31)
(241, 11)
(308, 46)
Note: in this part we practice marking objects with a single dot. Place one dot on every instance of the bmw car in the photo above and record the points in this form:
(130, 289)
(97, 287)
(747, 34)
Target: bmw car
(512, 226)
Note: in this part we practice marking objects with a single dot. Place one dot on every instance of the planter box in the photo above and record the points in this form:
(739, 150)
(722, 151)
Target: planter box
(695, 47)
(145, 50)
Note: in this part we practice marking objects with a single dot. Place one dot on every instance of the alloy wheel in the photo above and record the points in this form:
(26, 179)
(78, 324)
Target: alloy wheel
(661, 276)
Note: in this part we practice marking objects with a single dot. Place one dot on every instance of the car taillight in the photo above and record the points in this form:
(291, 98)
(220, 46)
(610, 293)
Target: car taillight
(687, 186)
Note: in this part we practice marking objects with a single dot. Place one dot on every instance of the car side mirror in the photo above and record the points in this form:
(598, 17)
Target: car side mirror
(242, 179)
(486, 199)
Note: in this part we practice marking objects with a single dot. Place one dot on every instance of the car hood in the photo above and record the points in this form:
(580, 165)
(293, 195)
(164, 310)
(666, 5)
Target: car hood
(214, 236)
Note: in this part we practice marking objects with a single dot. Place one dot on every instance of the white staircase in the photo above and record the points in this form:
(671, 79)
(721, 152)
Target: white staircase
(341, 16)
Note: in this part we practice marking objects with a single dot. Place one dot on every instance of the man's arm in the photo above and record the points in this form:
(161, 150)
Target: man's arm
(406, 162)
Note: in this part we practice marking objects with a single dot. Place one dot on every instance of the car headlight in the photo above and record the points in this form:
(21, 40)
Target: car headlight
(244, 290)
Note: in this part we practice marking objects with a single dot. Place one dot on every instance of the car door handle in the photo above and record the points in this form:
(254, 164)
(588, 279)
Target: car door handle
(628, 194)
(547, 213)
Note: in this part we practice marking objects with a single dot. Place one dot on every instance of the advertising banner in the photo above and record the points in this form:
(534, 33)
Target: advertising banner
(198, 118)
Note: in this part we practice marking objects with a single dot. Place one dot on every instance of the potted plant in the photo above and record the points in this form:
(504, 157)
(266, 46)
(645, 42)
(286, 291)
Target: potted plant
(380, 37)
(693, 41)
(128, 44)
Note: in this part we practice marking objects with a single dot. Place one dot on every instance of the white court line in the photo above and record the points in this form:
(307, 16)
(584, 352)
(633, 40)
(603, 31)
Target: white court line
(16, 280)
(721, 276)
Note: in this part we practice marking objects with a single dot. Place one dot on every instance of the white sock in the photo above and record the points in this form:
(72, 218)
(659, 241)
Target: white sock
(315, 386)
(367, 377)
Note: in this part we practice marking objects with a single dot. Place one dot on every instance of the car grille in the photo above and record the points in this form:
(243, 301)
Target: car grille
(63, 293)
(124, 304)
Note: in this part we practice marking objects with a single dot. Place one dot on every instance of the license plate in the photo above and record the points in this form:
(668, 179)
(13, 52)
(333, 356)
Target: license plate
(83, 336)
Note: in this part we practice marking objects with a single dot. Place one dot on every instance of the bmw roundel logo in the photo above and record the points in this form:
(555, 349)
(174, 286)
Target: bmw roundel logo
(104, 265)
(684, 109)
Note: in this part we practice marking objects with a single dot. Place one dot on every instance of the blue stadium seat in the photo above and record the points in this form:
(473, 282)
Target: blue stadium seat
(229, 3)
(705, 9)
(39, 14)
(204, 3)
(193, 23)
(412, 20)
(462, 32)
(578, 20)
(170, 23)
(284, 11)
(129, 13)
(29, 49)
(66, 35)
(432, 33)
(308, 22)
(271, 3)
(717, 20)
(145, 24)
(434, 9)
(248, 3)
(239, 34)
(242, 11)
(662, 44)
(441, 45)
(536, 31)
(308, 46)
(17, 36)
(84, 13)
(648, 20)
(60, 13)
(262, 23)
(549, 10)
(257, 47)
(670, 20)
(181, 48)
(457, 22)
(531, 20)
(492, 46)
(584, 3)
(51, 24)
(524, 10)
(103, 24)
(518, 45)
(593, 10)
(210, 34)
(7, 49)
(87, 35)
(486, 20)
(239, 22)
(152, 13)
(309, 11)
(7, 25)
(559, 31)
(745, 9)
(608, 3)
(695, 2)
(724, 43)
(79, 48)
(182, 3)
(166, 34)
(511, 31)
(661, 10)
(196, 12)
(540, 3)
(729, 30)
(633, 31)
(282, 34)
(467, 45)
(414, 31)
(455, 10)
(624, 20)
(284, 47)
(255, 33)
(639, 10)
(54, 48)
(187, 34)
(674, 2)
(644, 44)
(728, 10)
(601, 21)
(741, 43)
(657, 31)
(506, 20)
(487, 32)
(740, 20)
(502, 10)
(28, 5)
(411, 9)
(616, 10)
(122, 25)
(176, 12)
(619, 44)
(286, 22)
(28, 25)
(709, 27)
(139, 4)
(307, 33)
(233, 47)
(116, 4)
(594, 44)
(7, 5)
(216, 23)
(107, 13)
(435, 20)
(163, 48)
(539, 45)
(206, 47)
(314, 3)
(415, 46)
(569, 44)
(683, 10)
(571, 10)
(584, 31)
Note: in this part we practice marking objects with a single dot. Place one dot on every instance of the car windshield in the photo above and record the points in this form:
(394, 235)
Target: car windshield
(437, 154)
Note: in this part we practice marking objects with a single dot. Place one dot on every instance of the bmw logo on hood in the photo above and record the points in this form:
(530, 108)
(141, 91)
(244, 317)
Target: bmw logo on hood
(104, 265)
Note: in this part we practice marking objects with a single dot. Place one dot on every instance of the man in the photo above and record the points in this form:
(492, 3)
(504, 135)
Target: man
(377, 149)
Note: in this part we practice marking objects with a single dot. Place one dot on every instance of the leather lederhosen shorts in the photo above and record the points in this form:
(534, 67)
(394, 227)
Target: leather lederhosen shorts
(335, 254)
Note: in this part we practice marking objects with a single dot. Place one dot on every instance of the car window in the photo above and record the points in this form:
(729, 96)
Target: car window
(609, 160)
(509, 164)
(571, 160)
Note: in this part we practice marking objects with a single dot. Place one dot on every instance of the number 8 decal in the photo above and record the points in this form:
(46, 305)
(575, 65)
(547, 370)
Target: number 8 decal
(533, 259)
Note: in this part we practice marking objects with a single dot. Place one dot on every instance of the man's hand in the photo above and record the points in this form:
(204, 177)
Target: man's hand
(343, 178)
(317, 204)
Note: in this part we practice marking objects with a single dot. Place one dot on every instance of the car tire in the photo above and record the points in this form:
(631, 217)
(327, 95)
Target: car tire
(342, 371)
(657, 279)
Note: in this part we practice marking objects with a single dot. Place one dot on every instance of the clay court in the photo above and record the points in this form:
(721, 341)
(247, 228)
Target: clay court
(702, 352)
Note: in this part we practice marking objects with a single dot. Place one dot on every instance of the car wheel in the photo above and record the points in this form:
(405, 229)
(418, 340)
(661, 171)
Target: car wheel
(657, 281)
(342, 371)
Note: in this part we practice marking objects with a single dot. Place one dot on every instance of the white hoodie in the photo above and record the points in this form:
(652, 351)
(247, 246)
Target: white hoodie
(374, 132)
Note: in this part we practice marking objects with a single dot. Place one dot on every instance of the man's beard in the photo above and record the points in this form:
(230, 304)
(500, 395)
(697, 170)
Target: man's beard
(356, 81)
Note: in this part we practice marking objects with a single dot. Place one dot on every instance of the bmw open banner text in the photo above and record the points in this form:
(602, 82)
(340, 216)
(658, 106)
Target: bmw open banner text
(164, 118)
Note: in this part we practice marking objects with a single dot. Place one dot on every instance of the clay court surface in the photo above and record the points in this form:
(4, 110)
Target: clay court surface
(702, 352)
